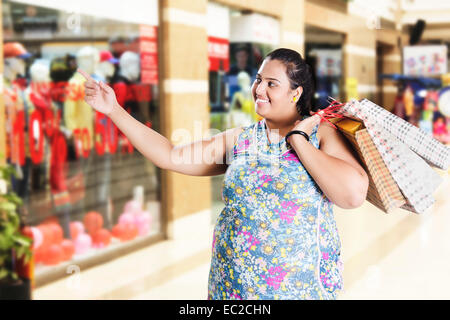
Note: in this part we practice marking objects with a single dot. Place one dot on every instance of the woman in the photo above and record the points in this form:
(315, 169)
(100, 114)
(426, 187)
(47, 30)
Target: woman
(276, 238)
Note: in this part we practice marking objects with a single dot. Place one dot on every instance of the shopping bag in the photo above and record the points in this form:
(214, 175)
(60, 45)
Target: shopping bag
(419, 141)
(383, 191)
(415, 178)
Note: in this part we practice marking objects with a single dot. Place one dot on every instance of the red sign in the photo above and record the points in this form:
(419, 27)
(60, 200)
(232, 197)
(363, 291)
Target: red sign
(148, 44)
(218, 54)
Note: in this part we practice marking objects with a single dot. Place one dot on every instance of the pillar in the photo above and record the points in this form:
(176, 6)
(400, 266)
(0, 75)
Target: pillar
(186, 200)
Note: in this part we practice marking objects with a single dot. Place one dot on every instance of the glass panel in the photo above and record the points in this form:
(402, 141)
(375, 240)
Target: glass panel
(85, 188)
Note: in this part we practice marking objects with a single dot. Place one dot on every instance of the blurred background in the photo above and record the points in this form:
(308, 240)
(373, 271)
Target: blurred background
(108, 224)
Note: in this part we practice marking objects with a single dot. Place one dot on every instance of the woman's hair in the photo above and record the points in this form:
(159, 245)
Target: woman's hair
(299, 74)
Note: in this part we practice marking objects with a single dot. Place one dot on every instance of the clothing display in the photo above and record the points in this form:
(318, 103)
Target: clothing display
(276, 238)
(77, 113)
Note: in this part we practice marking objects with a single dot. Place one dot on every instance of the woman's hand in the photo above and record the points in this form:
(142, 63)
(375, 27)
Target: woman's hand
(307, 125)
(99, 96)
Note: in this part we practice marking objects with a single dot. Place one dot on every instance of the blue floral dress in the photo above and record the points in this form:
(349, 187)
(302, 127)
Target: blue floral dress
(276, 238)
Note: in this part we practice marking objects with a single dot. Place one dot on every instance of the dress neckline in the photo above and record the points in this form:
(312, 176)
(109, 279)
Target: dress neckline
(280, 146)
(266, 135)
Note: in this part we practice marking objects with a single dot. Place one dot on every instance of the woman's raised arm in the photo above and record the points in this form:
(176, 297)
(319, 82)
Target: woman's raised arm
(201, 158)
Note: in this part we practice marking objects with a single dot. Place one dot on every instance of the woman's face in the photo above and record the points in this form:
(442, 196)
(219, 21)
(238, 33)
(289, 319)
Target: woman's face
(273, 95)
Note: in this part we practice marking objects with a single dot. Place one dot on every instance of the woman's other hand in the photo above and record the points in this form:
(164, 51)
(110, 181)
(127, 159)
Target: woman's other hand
(307, 125)
(99, 96)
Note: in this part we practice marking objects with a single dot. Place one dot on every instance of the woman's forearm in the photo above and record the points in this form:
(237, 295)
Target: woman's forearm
(151, 144)
(342, 183)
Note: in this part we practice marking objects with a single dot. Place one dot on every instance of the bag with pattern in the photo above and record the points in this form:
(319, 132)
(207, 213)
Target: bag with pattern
(402, 147)
(383, 191)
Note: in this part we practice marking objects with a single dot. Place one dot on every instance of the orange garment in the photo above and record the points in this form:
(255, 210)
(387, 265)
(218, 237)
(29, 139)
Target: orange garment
(408, 100)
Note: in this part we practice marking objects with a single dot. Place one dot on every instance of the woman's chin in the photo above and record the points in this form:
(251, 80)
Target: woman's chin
(262, 109)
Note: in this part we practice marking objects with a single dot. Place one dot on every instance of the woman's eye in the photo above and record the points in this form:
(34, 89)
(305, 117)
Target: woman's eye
(258, 80)
(271, 84)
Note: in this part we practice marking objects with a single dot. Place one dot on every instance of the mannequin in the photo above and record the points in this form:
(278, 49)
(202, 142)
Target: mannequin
(77, 113)
(14, 67)
(129, 69)
(16, 145)
(127, 76)
(117, 45)
(242, 110)
(105, 69)
(38, 98)
(37, 94)
(133, 44)
(129, 66)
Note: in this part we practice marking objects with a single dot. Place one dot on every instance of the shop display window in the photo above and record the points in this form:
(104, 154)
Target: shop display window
(85, 189)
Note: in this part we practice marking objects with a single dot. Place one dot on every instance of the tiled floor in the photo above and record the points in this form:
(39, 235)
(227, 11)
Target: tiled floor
(386, 256)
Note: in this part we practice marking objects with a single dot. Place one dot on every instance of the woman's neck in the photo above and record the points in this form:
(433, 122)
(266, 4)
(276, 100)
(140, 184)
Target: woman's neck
(277, 131)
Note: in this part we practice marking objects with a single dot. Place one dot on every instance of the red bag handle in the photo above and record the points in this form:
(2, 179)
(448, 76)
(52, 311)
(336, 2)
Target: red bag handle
(330, 111)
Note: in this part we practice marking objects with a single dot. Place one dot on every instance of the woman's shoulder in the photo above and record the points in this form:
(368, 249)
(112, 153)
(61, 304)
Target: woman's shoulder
(326, 131)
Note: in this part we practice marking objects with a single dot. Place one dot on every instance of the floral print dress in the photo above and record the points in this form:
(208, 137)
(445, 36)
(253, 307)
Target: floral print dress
(276, 238)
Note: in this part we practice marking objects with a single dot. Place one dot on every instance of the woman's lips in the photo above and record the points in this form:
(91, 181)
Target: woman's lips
(262, 101)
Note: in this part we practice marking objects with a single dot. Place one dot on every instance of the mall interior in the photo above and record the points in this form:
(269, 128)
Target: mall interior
(106, 223)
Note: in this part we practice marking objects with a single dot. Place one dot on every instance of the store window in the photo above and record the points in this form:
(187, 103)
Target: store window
(86, 190)
(423, 89)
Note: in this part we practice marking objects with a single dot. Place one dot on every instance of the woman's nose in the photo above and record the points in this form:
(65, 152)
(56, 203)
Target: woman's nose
(260, 89)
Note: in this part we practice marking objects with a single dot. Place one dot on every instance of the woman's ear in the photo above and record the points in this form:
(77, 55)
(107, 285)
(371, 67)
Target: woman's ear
(298, 93)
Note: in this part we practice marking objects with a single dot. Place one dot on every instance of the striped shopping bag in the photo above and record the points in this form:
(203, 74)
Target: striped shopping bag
(383, 191)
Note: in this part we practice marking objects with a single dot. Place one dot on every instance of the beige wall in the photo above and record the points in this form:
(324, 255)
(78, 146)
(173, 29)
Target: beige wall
(437, 32)
(184, 59)
(390, 61)
(292, 25)
(268, 7)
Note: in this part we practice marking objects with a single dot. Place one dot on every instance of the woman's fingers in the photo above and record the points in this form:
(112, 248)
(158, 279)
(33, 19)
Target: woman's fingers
(105, 87)
(315, 120)
(91, 85)
(90, 92)
(102, 86)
